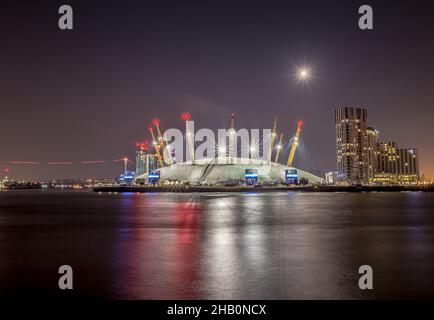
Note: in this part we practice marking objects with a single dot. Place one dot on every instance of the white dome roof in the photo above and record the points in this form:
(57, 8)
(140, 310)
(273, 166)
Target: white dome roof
(220, 170)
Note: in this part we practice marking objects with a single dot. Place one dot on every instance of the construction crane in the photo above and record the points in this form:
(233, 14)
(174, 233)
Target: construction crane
(294, 144)
(279, 147)
(273, 138)
(162, 142)
(156, 147)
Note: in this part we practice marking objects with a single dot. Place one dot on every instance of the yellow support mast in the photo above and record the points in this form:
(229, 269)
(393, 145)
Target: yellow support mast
(159, 136)
(156, 147)
(279, 147)
(294, 144)
(273, 138)
(162, 142)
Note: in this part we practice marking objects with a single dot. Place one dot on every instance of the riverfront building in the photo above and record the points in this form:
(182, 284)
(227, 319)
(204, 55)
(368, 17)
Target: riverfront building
(352, 145)
(362, 159)
(331, 177)
(396, 165)
(372, 152)
(145, 162)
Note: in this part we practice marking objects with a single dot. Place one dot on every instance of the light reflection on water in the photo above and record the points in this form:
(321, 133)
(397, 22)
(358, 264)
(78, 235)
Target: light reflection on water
(218, 246)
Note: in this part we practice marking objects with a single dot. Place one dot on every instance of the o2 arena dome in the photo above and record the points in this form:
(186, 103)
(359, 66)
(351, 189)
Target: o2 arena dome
(224, 170)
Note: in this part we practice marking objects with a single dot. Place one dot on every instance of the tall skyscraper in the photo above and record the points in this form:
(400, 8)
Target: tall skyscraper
(352, 145)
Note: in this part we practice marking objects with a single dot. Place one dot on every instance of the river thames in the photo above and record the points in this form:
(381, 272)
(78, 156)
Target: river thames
(217, 245)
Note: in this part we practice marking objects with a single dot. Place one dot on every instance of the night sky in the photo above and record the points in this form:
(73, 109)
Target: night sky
(91, 93)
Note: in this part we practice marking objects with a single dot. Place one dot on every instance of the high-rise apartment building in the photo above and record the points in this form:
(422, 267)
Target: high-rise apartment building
(408, 162)
(361, 159)
(372, 135)
(387, 157)
(352, 145)
(145, 162)
(396, 165)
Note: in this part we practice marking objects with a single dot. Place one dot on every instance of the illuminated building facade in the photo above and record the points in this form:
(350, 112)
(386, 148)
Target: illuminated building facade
(127, 178)
(372, 152)
(291, 176)
(145, 162)
(387, 157)
(251, 176)
(396, 165)
(331, 177)
(408, 163)
(352, 145)
(361, 159)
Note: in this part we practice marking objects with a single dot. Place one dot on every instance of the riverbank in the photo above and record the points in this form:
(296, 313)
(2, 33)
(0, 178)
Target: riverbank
(200, 189)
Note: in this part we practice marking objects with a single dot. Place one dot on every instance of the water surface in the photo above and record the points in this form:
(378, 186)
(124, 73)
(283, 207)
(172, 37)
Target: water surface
(217, 246)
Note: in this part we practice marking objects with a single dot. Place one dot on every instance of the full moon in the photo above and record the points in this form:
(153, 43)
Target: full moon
(304, 73)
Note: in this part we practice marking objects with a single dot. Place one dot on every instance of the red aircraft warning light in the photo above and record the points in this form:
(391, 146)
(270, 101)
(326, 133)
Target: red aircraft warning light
(143, 145)
(186, 116)
(156, 122)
